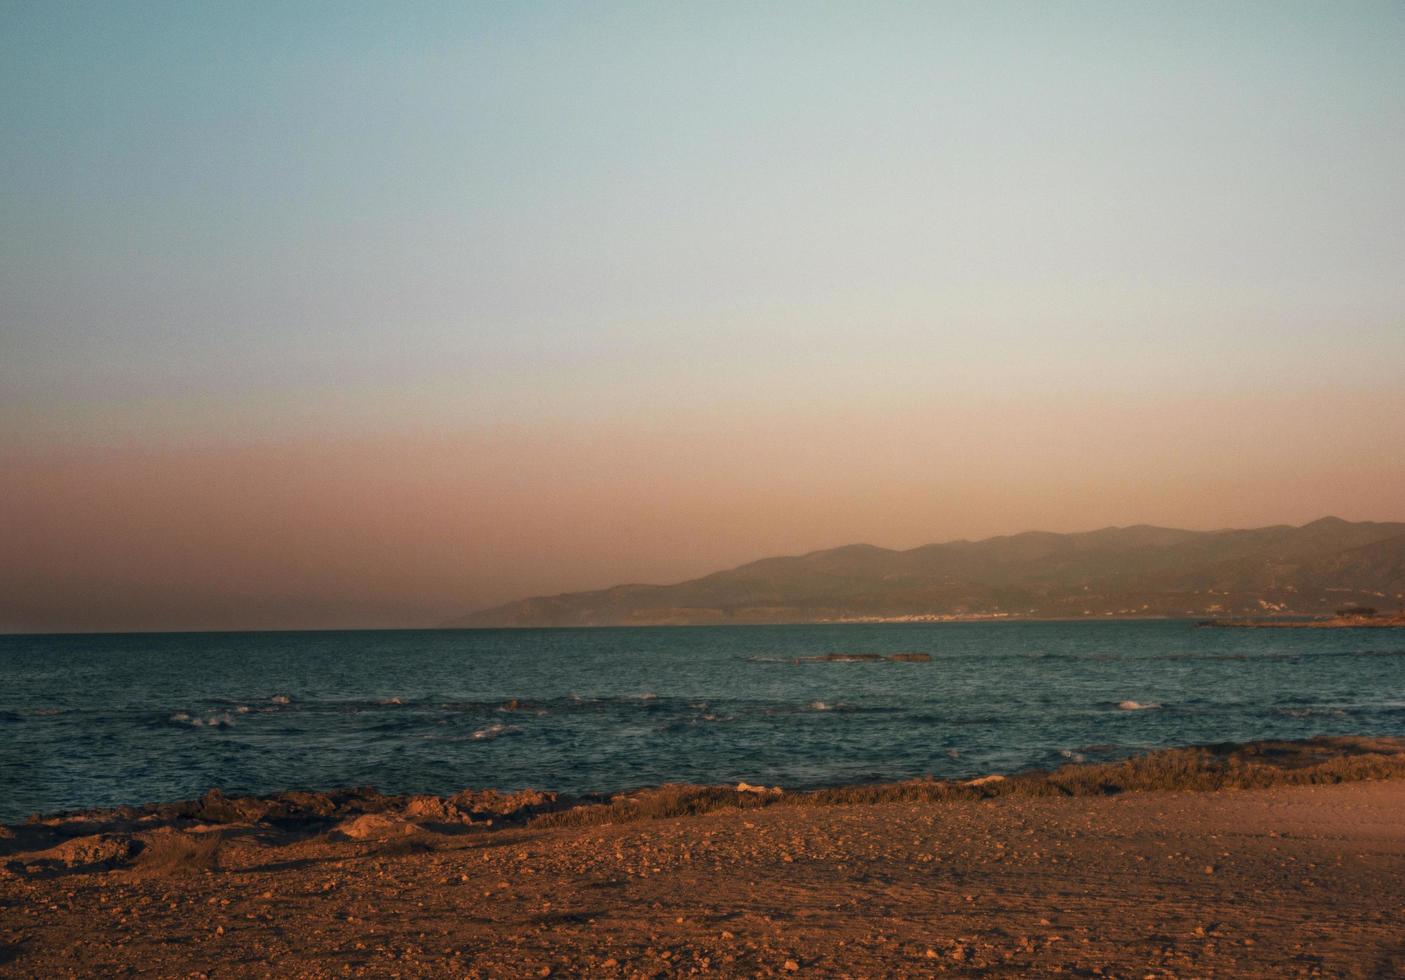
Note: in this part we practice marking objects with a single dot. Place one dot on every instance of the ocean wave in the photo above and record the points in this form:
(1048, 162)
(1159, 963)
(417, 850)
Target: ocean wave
(22, 714)
(515, 705)
(218, 719)
(1288, 712)
(1300, 710)
(574, 704)
(866, 658)
(845, 658)
(495, 731)
(846, 708)
(941, 718)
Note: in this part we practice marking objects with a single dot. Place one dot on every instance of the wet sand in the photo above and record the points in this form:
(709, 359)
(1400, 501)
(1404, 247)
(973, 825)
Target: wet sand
(1291, 880)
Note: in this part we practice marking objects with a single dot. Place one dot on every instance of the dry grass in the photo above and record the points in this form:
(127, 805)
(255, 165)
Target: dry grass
(1253, 765)
(175, 853)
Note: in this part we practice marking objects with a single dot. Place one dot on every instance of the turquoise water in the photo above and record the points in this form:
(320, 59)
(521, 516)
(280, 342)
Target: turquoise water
(105, 719)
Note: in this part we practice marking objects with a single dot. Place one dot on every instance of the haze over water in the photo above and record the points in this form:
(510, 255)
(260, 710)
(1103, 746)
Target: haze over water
(101, 720)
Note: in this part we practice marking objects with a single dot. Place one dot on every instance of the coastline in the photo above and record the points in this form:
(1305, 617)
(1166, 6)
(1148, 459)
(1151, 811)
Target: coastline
(1190, 618)
(1162, 863)
(1202, 767)
(1329, 623)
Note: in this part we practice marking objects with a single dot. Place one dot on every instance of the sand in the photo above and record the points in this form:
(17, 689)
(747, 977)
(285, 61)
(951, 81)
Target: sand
(1293, 880)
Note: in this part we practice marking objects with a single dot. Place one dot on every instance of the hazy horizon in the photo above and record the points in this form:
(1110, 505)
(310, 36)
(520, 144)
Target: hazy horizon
(360, 316)
(440, 619)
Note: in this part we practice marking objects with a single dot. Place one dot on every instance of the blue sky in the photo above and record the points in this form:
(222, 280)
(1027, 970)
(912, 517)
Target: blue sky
(212, 205)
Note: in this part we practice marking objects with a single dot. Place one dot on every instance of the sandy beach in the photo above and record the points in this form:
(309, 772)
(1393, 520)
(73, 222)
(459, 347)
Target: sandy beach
(1006, 877)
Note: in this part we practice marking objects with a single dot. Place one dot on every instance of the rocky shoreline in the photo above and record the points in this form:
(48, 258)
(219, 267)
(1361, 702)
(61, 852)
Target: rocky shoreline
(115, 837)
(1026, 872)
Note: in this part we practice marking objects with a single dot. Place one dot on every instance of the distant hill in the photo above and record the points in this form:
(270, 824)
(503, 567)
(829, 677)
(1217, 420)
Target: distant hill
(1118, 571)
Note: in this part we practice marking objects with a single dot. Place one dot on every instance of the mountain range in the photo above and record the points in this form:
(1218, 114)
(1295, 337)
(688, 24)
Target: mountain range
(1114, 572)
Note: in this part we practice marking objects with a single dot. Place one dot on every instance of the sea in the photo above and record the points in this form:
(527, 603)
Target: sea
(101, 720)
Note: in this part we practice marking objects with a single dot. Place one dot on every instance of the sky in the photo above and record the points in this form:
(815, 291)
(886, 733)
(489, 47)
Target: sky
(321, 315)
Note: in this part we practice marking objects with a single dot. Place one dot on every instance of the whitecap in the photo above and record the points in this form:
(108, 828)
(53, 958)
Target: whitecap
(1138, 705)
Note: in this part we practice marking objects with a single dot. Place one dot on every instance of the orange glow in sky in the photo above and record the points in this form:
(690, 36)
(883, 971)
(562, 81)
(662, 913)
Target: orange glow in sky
(343, 315)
